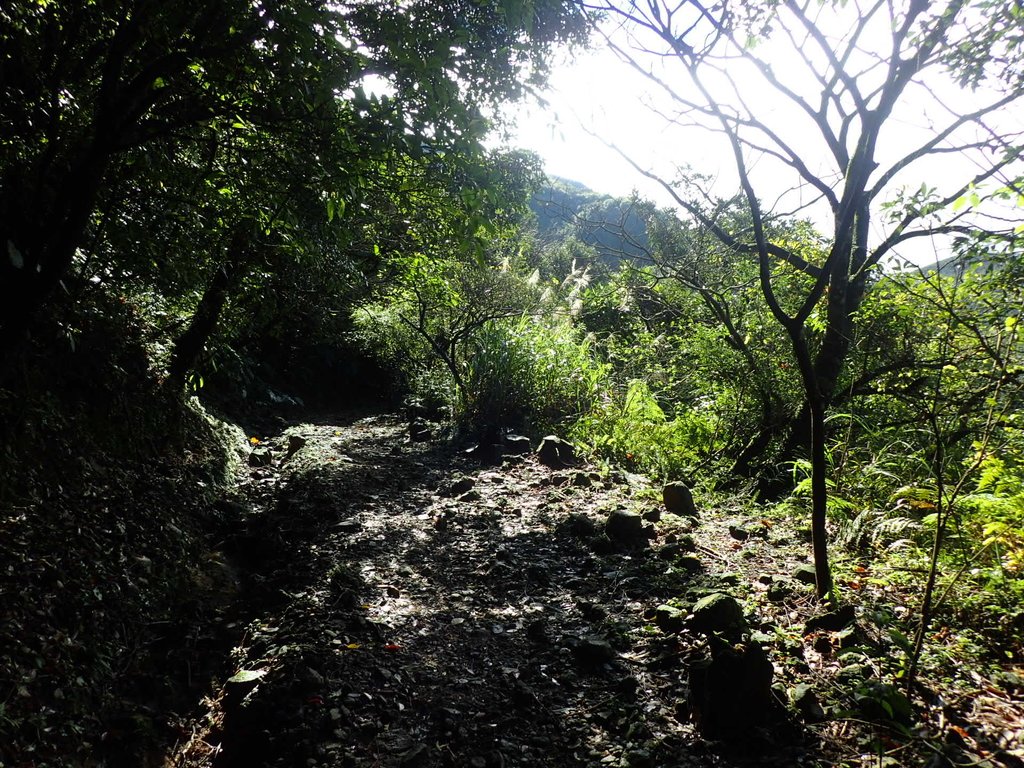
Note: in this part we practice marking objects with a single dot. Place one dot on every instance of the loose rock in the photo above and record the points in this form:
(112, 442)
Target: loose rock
(593, 650)
(833, 621)
(625, 527)
(555, 452)
(669, 619)
(459, 487)
(806, 702)
(261, 457)
(516, 445)
(730, 694)
(805, 574)
(738, 532)
(718, 612)
(678, 499)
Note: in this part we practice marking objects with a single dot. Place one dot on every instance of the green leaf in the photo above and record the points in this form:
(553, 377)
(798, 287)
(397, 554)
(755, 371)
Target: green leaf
(901, 640)
(247, 675)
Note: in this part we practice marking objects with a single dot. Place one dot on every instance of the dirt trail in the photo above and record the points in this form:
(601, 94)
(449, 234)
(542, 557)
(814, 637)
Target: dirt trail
(411, 607)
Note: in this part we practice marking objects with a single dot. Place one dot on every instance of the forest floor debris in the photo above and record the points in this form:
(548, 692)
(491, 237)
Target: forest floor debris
(371, 600)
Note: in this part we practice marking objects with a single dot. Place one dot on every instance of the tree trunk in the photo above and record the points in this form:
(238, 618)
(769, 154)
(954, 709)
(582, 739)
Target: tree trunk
(190, 344)
(39, 238)
(819, 467)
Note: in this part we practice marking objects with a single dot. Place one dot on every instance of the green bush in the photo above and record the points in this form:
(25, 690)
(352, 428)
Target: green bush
(529, 374)
(634, 431)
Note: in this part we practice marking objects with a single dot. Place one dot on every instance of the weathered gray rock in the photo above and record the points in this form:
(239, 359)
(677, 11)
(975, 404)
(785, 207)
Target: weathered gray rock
(625, 527)
(678, 499)
(718, 613)
(555, 452)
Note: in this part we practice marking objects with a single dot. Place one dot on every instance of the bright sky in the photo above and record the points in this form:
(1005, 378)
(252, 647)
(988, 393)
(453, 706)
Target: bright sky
(599, 94)
(596, 94)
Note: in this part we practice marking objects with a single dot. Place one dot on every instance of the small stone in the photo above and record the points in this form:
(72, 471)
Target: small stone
(625, 527)
(516, 445)
(832, 621)
(593, 650)
(295, 444)
(459, 487)
(738, 532)
(854, 674)
(678, 499)
(537, 631)
(731, 693)
(718, 612)
(581, 526)
(805, 574)
(350, 525)
(670, 551)
(637, 758)
(669, 619)
(261, 457)
(690, 564)
(778, 591)
(652, 515)
(554, 452)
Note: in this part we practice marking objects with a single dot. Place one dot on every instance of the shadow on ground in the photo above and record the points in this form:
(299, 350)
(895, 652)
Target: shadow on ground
(401, 605)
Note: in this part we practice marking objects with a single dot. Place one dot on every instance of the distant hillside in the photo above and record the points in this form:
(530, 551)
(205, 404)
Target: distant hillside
(610, 225)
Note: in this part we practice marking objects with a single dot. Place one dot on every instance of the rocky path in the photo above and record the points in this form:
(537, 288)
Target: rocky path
(417, 608)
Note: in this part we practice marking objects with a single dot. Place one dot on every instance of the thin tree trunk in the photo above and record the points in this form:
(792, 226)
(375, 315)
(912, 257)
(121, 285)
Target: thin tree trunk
(819, 467)
(190, 344)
